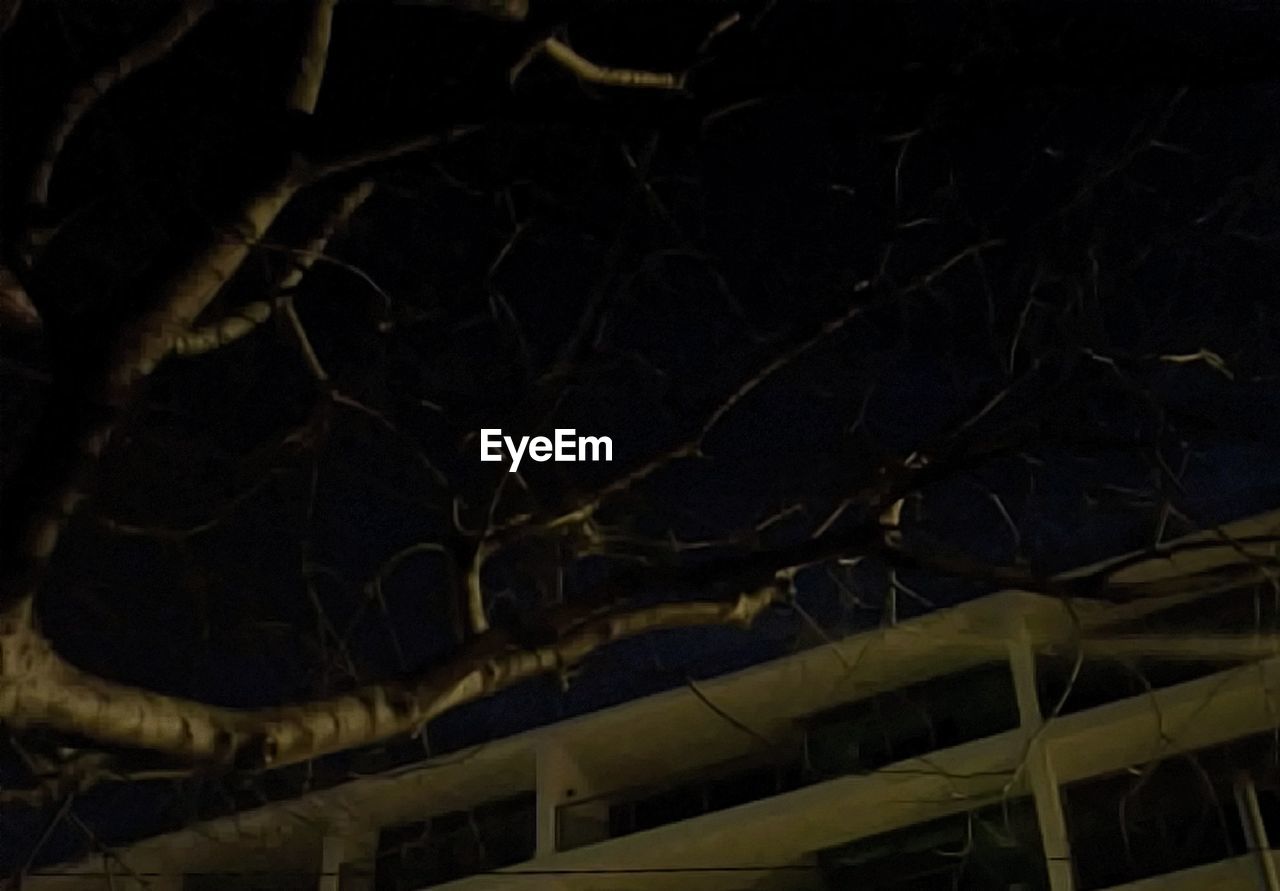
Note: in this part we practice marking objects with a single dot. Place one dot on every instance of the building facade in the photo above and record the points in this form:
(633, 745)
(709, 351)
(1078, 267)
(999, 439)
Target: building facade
(1013, 742)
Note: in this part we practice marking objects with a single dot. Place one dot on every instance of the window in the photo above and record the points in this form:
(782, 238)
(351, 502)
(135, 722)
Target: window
(993, 849)
(595, 820)
(1100, 681)
(1247, 608)
(457, 844)
(936, 714)
(1169, 815)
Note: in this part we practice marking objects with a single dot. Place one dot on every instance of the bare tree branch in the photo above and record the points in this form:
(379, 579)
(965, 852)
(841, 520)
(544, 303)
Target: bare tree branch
(331, 166)
(56, 782)
(68, 462)
(207, 338)
(503, 10)
(16, 309)
(53, 694)
(311, 64)
(565, 56)
(61, 483)
(87, 94)
(247, 318)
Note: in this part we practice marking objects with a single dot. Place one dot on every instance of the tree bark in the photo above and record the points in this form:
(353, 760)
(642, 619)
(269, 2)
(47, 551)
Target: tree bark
(39, 689)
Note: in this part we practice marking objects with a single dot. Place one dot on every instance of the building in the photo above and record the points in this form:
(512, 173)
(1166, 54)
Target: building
(1013, 742)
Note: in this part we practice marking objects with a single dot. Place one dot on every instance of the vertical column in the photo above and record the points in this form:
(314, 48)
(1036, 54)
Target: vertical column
(1039, 766)
(1255, 832)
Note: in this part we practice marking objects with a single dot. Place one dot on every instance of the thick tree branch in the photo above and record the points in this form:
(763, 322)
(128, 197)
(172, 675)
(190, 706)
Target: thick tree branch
(48, 692)
(78, 429)
(63, 456)
(311, 64)
(207, 338)
(247, 318)
(51, 693)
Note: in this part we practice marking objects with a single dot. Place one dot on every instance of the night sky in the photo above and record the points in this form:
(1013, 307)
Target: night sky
(1036, 242)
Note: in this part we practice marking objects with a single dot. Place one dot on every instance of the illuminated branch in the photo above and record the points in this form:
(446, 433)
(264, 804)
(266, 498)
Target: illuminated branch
(307, 257)
(58, 781)
(86, 95)
(311, 64)
(884, 495)
(207, 338)
(16, 309)
(247, 318)
(309, 355)
(61, 468)
(56, 482)
(692, 447)
(476, 618)
(55, 695)
(182, 533)
(564, 55)
(330, 166)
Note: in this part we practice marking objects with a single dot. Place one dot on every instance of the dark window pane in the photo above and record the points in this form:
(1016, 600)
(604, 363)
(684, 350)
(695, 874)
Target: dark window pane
(912, 721)
(1246, 609)
(1170, 816)
(457, 844)
(717, 788)
(1098, 682)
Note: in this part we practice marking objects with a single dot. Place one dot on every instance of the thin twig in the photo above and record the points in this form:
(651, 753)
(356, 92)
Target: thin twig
(85, 95)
